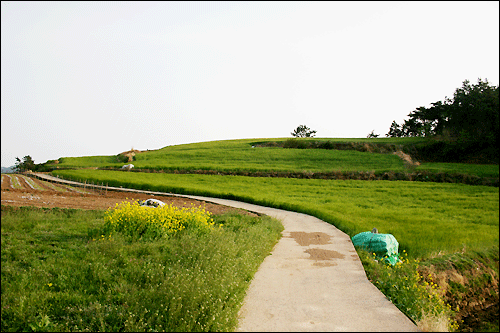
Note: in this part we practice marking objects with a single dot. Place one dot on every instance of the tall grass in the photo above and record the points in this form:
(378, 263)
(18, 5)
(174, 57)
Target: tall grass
(58, 276)
(427, 219)
(480, 170)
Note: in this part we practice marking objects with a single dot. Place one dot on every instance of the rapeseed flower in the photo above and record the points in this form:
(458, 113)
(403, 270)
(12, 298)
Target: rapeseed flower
(131, 219)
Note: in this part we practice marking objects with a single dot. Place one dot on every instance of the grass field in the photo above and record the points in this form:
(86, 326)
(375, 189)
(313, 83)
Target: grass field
(60, 274)
(238, 155)
(481, 170)
(426, 218)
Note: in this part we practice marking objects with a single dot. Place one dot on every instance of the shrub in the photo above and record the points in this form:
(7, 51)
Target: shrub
(138, 222)
(295, 143)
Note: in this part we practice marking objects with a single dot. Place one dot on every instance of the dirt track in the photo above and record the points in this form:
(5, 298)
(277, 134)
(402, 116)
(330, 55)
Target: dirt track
(19, 190)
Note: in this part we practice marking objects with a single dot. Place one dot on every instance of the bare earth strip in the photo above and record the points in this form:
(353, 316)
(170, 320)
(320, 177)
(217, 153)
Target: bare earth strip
(6, 182)
(26, 182)
(51, 186)
(14, 182)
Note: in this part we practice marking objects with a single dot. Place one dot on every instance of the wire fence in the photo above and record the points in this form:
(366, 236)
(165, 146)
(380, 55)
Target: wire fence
(86, 185)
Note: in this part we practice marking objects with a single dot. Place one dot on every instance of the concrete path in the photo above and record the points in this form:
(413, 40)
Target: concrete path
(312, 281)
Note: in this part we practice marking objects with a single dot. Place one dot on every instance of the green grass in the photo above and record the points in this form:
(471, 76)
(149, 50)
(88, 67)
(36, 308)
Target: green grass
(427, 219)
(480, 170)
(58, 276)
(239, 156)
(89, 161)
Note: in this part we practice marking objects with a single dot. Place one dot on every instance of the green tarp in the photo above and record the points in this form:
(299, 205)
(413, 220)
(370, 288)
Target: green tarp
(385, 246)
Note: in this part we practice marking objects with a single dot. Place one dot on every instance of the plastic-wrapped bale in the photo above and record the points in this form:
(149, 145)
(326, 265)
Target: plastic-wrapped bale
(385, 246)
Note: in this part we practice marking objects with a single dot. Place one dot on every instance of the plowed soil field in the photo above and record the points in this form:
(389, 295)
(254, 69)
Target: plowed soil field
(21, 190)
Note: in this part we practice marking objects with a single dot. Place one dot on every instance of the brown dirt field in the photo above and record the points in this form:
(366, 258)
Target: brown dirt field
(68, 197)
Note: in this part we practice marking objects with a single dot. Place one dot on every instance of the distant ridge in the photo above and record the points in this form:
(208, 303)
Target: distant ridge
(8, 169)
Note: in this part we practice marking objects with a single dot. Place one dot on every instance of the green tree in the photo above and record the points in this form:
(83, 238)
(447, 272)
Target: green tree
(471, 116)
(26, 164)
(303, 131)
(395, 131)
(474, 113)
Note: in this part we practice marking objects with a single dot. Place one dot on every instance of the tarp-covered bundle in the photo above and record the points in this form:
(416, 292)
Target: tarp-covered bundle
(385, 246)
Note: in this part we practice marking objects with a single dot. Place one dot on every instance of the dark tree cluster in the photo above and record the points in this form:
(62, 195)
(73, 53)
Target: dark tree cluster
(472, 115)
(302, 131)
(26, 164)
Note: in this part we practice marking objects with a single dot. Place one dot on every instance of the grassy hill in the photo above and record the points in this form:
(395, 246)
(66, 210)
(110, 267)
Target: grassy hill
(239, 155)
(330, 158)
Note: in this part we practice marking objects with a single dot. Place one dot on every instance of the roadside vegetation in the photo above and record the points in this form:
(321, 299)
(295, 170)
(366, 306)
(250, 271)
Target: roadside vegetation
(63, 271)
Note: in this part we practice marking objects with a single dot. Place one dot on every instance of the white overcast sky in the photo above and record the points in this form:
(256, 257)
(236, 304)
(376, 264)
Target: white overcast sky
(98, 78)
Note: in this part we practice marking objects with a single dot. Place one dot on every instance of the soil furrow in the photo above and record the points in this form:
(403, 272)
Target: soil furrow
(51, 195)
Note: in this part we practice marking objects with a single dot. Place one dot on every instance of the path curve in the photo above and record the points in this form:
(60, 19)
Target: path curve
(312, 281)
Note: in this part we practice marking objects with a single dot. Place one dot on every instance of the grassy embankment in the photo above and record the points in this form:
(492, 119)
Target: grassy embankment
(59, 273)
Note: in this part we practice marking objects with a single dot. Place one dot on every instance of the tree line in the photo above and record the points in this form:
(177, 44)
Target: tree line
(471, 115)
(466, 124)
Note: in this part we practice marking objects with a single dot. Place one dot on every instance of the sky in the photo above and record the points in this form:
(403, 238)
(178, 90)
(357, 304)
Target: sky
(101, 78)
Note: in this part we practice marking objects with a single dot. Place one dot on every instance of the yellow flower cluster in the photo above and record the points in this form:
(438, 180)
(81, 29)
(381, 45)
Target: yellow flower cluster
(134, 220)
(416, 295)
